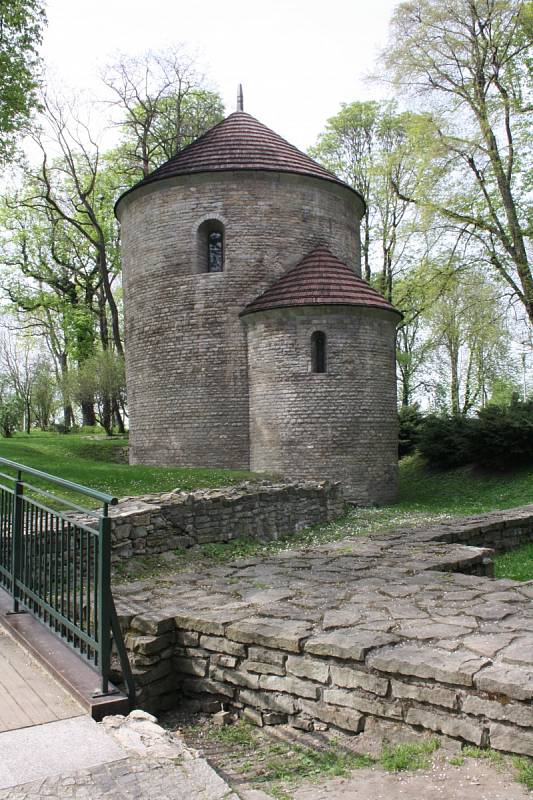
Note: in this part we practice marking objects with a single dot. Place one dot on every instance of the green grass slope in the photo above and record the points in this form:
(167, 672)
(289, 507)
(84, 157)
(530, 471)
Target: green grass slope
(101, 463)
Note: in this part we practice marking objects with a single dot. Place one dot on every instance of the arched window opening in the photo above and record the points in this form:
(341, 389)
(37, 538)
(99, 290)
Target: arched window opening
(211, 246)
(318, 352)
(215, 242)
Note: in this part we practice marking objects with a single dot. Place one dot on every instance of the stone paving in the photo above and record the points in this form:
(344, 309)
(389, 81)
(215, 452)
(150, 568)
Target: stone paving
(155, 766)
(375, 626)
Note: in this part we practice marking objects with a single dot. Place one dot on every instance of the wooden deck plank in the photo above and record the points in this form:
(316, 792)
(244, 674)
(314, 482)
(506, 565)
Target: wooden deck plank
(23, 694)
(50, 692)
(28, 694)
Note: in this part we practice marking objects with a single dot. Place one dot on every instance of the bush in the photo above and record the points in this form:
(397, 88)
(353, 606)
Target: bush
(411, 422)
(447, 441)
(10, 413)
(503, 435)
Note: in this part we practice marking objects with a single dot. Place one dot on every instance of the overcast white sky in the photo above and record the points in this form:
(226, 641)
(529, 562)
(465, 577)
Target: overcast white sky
(297, 59)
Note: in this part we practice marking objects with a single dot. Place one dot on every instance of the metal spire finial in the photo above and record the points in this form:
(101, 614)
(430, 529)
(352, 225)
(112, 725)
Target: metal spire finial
(240, 105)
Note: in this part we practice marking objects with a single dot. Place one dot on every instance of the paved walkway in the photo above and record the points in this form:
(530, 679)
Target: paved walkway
(394, 608)
(28, 694)
(123, 759)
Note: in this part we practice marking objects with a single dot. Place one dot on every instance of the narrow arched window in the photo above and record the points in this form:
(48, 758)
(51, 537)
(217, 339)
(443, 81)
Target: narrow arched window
(318, 352)
(211, 246)
(215, 244)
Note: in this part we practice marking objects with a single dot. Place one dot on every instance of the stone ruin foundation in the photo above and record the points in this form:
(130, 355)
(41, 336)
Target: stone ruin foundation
(405, 627)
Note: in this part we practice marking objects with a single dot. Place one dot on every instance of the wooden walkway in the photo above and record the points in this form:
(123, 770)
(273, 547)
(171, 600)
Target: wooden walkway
(28, 694)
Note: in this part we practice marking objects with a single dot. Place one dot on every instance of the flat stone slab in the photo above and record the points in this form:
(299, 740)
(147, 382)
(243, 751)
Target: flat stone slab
(456, 667)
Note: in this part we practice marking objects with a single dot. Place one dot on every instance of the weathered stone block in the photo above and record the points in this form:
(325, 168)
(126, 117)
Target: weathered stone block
(289, 685)
(222, 645)
(310, 668)
(507, 680)
(199, 685)
(433, 695)
(368, 705)
(152, 623)
(211, 622)
(274, 718)
(161, 670)
(266, 655)
(226, 662)
(517, 713)
(301, 723)
(148, 645)
(268, 700)
(511, 739)
(341, 717)
(350, 678)
(349, 644)
(458, 666)
(285, 635)
(262, 668)
(235, 677)
(449, 724)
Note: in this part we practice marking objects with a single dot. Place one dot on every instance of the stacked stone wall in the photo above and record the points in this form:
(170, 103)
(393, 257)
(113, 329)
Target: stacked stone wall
(279, 674)
(335, 638)
(156, 524)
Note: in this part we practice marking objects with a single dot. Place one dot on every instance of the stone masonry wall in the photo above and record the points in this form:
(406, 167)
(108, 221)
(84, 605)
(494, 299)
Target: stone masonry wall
(363, 628)
(186, 360)
(161, 523)
(340, 424)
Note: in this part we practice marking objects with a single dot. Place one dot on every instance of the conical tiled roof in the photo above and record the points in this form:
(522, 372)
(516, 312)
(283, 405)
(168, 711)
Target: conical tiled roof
(239, 142)
(319, 279)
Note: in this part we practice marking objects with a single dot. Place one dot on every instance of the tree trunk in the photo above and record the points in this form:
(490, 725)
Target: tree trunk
(107, 419)
(454, 383)
(119, 422)
(88, 414)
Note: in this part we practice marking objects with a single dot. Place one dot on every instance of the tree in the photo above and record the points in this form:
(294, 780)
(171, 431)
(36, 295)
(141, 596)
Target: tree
(366, 145)
(102, 377)
(18, 363)
(468, 326)
(468, 59)
(51, 281)
(44, 394)
(21, 25)
(164, 104)
(75, 193)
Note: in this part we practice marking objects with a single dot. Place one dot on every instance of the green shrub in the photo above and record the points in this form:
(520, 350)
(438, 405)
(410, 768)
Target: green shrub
(500, 436)
(411, 422)
(503, 435)
(447, 441)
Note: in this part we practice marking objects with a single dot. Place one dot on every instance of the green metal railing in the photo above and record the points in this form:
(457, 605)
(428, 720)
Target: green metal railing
(56, 564)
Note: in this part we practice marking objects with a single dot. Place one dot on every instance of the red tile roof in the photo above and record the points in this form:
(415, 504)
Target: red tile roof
(240, 142)
(319, 279)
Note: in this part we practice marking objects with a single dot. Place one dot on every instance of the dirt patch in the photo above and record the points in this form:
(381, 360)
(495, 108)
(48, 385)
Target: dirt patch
(280, 763)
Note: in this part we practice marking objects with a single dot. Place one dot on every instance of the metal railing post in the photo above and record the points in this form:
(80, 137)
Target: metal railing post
(16, 541)
(104, 591)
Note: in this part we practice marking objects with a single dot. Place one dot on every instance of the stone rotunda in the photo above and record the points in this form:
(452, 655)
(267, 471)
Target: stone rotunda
(252, 342)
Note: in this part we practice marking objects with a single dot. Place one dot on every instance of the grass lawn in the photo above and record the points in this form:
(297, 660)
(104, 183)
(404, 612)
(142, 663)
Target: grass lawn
(101, 463)
(425, 497)
(516, 565)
